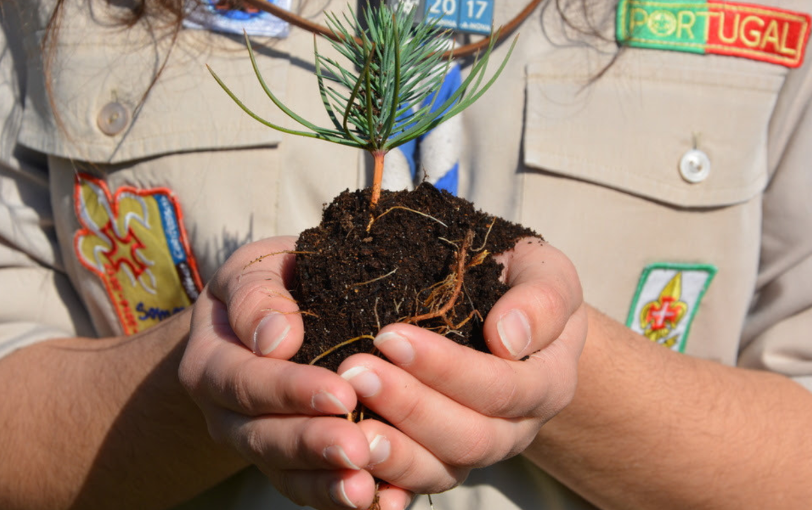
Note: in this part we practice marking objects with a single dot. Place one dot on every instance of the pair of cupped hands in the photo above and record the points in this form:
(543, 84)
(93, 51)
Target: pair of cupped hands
(449, 408)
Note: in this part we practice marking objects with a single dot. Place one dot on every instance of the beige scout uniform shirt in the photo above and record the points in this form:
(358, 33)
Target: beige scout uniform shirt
(116, 211)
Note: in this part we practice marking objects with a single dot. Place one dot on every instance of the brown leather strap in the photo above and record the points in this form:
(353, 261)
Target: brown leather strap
(462, 51)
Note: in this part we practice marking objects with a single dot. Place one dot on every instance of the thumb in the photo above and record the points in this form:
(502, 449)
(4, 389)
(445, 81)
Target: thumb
(253, 285)
(544, 293)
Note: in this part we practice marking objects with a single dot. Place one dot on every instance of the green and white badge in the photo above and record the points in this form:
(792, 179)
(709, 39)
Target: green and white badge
(667, 300)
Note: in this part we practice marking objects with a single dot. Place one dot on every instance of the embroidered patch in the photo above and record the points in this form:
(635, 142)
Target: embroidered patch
(714, 27)
(666, 302)
(221, 16)
(134, 241)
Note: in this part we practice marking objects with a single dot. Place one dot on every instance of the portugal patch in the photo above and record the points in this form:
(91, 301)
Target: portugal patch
(714, 27)
(666, 302)
(134, 241)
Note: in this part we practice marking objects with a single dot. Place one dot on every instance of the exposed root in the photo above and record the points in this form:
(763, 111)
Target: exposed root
(377, 318)
(375, 218)
(295, 312)
(474, 313)
(398, 305)
(449, 290)
(487, 234)
(478, 259)
(452, 243)
(279, 294)
(390, 273)
(455, 278)
(339, 346)
(468, 296)
(263, 257)
(439, 290)
(376, 503)
(449, 328)
(357, 414)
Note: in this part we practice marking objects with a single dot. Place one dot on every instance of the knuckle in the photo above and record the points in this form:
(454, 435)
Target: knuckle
(241, 394)
(551, 300)
(404, 471)
(192, 376)
(478, 449)
(252, 442)
(447, 482)
(566, 390)
(560, 389)
(285, 485)
(526, 430)
(409, 411)
(249, 303)
(440, 480)
(308, 434)
(216, 431)
(553, 309)
(188, 377)
(501, 390)
(243, 300)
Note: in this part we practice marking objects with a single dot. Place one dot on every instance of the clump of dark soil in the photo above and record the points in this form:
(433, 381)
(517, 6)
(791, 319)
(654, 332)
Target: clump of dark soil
(362, 269)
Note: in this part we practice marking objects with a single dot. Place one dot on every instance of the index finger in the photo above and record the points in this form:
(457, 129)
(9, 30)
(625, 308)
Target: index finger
(253, 285)
(539, 386)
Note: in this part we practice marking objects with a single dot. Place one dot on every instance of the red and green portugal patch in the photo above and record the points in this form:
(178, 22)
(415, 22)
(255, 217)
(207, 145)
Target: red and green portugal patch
(711, 27)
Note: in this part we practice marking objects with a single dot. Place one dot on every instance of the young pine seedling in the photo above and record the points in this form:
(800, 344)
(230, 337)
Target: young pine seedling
(387, 96)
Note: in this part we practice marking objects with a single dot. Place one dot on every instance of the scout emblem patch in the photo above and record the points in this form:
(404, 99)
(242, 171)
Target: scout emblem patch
(743, 30)
(134, 241)
(666, 302)
(223, 16)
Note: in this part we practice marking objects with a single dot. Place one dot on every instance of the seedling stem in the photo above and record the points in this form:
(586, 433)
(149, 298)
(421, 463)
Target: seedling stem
(388, 96)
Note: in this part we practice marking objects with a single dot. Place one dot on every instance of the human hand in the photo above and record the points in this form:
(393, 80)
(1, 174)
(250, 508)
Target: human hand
(276, 414)
(452, 408)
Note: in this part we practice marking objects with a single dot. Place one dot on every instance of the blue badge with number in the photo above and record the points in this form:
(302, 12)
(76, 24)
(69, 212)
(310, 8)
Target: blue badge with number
(226, 16)
(470, 16)
(476, 16)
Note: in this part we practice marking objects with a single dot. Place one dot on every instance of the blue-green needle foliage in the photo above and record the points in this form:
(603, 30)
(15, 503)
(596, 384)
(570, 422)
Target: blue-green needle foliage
(381, 103)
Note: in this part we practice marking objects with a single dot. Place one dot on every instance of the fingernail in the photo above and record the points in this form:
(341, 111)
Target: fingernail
(339, 496)
(336, 455)
(270, 332)
(408, 502)
(327, 403)
(364, 381)
(514, 332)
(379, 449)
(395, 347)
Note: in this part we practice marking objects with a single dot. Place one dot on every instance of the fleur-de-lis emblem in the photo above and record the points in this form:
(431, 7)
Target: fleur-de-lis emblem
(660, 317)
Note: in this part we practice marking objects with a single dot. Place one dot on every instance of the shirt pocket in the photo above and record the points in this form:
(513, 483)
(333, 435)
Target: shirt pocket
(634, 127)
(108, 107)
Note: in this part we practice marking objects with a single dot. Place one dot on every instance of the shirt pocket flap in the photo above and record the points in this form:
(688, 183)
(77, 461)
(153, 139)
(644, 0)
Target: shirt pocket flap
(109, 110)
(633, 127)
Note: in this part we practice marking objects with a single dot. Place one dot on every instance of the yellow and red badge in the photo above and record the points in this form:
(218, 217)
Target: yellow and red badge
(743, 30)
(135, 242)
(667, 300)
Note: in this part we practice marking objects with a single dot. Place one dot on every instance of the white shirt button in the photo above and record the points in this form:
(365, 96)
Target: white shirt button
(694, 166)
(113, 118)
